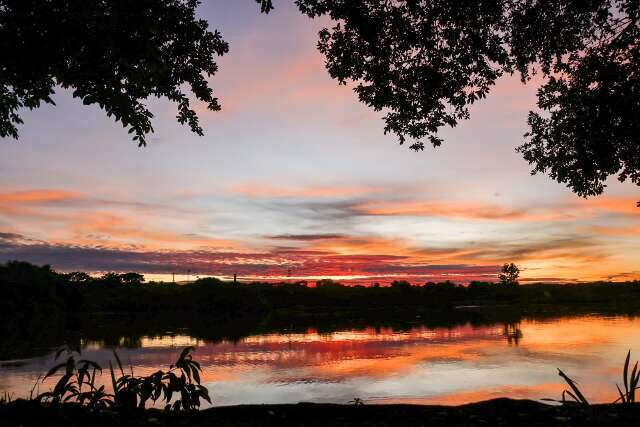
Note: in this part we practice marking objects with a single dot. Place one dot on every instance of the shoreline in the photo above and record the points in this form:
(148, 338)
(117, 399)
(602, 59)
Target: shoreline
(494, 412)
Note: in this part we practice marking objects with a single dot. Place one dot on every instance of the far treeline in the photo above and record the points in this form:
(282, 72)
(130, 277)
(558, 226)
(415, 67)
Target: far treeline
(30, 291)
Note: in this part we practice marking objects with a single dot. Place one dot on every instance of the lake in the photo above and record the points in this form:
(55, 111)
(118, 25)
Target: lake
(415, 363)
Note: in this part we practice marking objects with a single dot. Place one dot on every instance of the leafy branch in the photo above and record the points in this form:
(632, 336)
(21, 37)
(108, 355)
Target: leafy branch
(77, 384)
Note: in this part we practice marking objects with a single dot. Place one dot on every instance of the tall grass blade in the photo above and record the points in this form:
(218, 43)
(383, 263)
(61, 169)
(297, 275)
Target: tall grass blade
(119, 362)
(577, 395)
(625, 373)
(633, 384)
(622, 397)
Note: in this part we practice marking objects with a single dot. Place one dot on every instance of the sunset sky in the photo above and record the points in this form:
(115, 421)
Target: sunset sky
(295, 178)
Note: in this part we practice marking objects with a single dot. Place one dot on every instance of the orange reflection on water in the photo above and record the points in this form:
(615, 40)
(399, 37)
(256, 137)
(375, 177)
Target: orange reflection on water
(420, 365)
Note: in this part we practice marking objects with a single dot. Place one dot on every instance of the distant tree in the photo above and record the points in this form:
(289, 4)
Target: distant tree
(422, 62)
(327, 283)
(112, 279)
(208, 281)
(26, 274)
(479, 287)
(131, 278)
(401, 285)
(509, 274)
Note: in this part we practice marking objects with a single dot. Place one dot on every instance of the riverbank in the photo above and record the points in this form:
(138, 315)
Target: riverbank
(496, 412)
(34, 295)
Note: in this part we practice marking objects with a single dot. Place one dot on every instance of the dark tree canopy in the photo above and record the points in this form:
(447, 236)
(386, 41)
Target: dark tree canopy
(423, 63)
(114, 53)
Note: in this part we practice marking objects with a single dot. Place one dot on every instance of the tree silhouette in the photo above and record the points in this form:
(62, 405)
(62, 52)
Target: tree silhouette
(509, 274)
(112, 53)
(422, 62)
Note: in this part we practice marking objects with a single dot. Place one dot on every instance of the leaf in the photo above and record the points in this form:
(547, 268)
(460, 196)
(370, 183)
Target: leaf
(71, 365)
(580, 398)
(59, 352)
(633, 384)
(196, 376)
(204, 393)
(81, 374)
(187, 370)
(186, 351)
(53, 370)
(114, 383)
(622, 397)
(625, 372)
(119, 362)
(61, 385)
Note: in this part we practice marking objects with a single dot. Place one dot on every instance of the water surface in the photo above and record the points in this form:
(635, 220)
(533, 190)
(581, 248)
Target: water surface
(415, 364)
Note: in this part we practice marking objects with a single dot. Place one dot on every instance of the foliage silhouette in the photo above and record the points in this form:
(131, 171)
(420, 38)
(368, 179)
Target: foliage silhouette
(128, 391)
(111, 53)
(574, 393)
(423, 63)
(33, 294)
(509, 274)
(630, 381)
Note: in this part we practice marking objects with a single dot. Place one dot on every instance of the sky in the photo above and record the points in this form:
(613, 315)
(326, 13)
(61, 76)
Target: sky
(294, 179)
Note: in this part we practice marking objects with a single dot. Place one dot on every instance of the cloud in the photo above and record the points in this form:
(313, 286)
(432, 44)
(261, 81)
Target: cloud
(458, 210)
(609, 204)
(307, 237)
(78, 231)
(273, 263)
(37, 196)
(360, 259)
(622, 231)
(111, 229)
(10, 236)
(628, 275)
(26, 203)
(257, 190)
(576, 248)
(405, 201)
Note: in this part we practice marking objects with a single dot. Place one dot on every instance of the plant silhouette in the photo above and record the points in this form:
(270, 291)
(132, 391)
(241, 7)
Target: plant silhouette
(78, 384)
(630, 382)
(509, 274)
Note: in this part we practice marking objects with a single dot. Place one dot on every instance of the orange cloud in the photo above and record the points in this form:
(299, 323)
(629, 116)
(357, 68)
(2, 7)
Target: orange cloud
(616, 231)
(621, 205)
(69, 217)
(263, 190)
(37, 196)
(469, 211)
(113, 230)
(28, 204)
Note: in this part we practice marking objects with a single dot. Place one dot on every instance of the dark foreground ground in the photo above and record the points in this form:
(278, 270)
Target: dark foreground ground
(497, 412)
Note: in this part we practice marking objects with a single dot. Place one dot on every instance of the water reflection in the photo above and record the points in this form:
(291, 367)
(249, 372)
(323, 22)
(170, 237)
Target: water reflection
(412, 363)
(512, 333)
